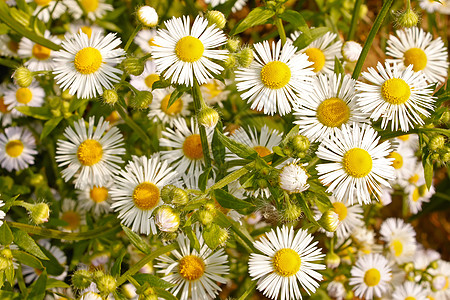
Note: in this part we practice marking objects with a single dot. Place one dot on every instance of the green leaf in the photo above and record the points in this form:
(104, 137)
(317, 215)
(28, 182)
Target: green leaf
(49, 126)
(218, 149)
(176, 94)
(338, 68)
(27, 259)
(7, 295)
(203, 179)
(257, 16)
(165, 294)
(9, 273)
(152, 280)
(115, 270)
(41, 113)
(428, 172)
(211, 236)
(303, 40)
(6, 236)
(306, 210)
(53, 283)
(160, 84)
(25, 242)
(52, 265)
(192, 238)
(9, 63)
(239, 149)
(297, 20)
(136, 240)
(227, 200)
(38, 290)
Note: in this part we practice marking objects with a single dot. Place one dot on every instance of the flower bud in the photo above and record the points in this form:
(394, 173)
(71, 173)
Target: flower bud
(206, 216)
(332, 260)
(300, 143)
(292, 212)
(223, 236)
(232, 44)
(39, 213)
(6, 253)
(217, 18)
(408, 19)
(230, 62)
(245, 57)
(437, 142)
(5, 263)
(409, 267)
(23, 77)
(208, 117)
(445, 117)
(179, 196)
(37, 179)
(166, 192)
(351, 51)
(106, 284)
(133, 66)
(141, 100)
(148, 16)
(110, 97)
(434, 264)
(329, 220)
(81, 279)
(293, 178)
(167, 219)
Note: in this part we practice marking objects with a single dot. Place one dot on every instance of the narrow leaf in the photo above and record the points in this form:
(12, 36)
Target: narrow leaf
(52, 265)
(136, 240)
(38, 290)
(49, 126)
(338, 68)
(306, 210)
(53, 283)
(6, 236)
(41, 113)
(115, 270)
(27, 259)
(211, 236)
(25, 242)
(227, 200)
(297, 20)
(257, 16)
(176, 94)
(192, 238)
(152, 280)
(303, 40)
(165, 294)
(239, 149)
(203, 179)
(428, 172)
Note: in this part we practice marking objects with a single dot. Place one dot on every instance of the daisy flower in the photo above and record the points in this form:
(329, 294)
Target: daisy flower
(322, 51)
(194, 274)
(409, 141)
(48, 8)
(95, 9)
(182, 52)
(96, 199)
(415, 47)
(85, 65)
(293, 178)
(72, 214)
(431, 6)
(92, 154)
(358, 166)
(238, 5)
(187, 152)
(145, 39)
(403, 162)
(418, 194)
(41, 58)
(400, 238)
(289, 260)
(144, 82)
(441, 280)
(370, 276)
(17, 148)
(85, 27)
(275, 78)
(16, 96)
(410, 290)
(159, 110)
(214, 91)
(397, 97)
(8, 47)
(331, 104)
(137, 189)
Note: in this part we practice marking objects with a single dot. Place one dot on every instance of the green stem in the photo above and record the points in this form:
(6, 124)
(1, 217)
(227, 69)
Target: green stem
(442, 195)
(131, 38)
(231, 177)
(136, 267)
(281, 32)
(70, 236)
(373, 32)
(312, 163)
(249, 290)
(198, 104)
(143, 135)
(135, 91)
(355, 17)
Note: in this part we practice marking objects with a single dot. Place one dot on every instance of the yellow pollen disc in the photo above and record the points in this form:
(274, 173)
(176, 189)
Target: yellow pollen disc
(395, 91)
(146, 196)
(410, 298)
(431, 298)
(113, 117)
(317, 57)
(357, 162)
(192, 147)
(333, 112)
(13, 46)
(416, 195)
(189, 49)
(88, 60)
(262, 151)
(42, 2)
(415, 57)
(3, 107)
(397, 247)
(89, 5)
(23, 95)
(398, 160)
(89, 152)
(191, 267)
(87, 30)
(41, 52)
(151, 79)
(341, 210)
(14, 148)
(72, 218)
(414, 178)
(151, 42)
(98, 194)
(275, 75)
(213, 89)
(404, 137)
(286, 262)
(174, 109)
(372, 277)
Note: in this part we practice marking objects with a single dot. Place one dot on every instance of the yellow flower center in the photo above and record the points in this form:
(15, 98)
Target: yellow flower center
(72, 218)
(398, 160)
(3, 107)
(89, 152)
(151, 42)
(14, 148)
(415, 57)
(414, 178)
(317, 57)
(98, 194)
(174, 109)
(89, 5)
(151, 79)
(275, 75)
(87, 30)
(416, 195)
(262, 151)
(13, 46)
(192, 147)
(357, 162)
(341, 210)
(372, 277)
(189, 49)
(286, 262)
(113, 117)
(395, 91)
(88, 60)
(333, 112)
(191, 267)
(214, 89)
(404, 137)
(397, 247)
(42, 2)
(410, 298)
(23, 95)
(146, 196)
(41, 52)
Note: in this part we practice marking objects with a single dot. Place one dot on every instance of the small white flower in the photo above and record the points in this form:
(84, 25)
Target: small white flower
(145, 39)
(351, 51)
(293, 178)
(41, 58)
(16, 96)
(166, 219)
(400, 239)
(148, 16)
(410, 290)
(95, 9)
(17, 148)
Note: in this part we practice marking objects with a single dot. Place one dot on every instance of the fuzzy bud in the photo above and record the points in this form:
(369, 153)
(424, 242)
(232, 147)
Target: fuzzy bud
(81, 279)
(329, 220)
(437, 142)
(23, 77)
(6, 253)
(179, 196)
(148, 16)
(217, 18)
(300, 143)
(332, 260)
(4, 263)
(292, 212)
(230, 62)
(245, 57)
(351, 51)
(39, 213)
(110, 97)
(293, 178)
(232, 45)
(106, 284)
(167, 219)
(166, 192)
(141, 100)
(223, 236)
(408, 19)
(206, 215)
(133, 66)
(208, 117)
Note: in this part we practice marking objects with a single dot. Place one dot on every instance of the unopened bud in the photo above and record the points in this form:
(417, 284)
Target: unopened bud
(351, 51)
(166, 192)
(110, 97)
(141, 100)
(434, 264)
(223, 236)
(230, 62)
(300, 143)
(445, 117)
(292, 212)
(409, 267)
(205, 216)
(6, 253)
(232, 45)
(329, 220)
(23, 77)
(4, 263)
(208, 117)
(217, 18)
(408, 19)
(148, 16)
(332, 260)
(36, 179)
(179, 196)
(81, 279)
(133, 66)
(39, 213)
(106, 284)
(245, 57)
(167, 219)
(437, 142)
